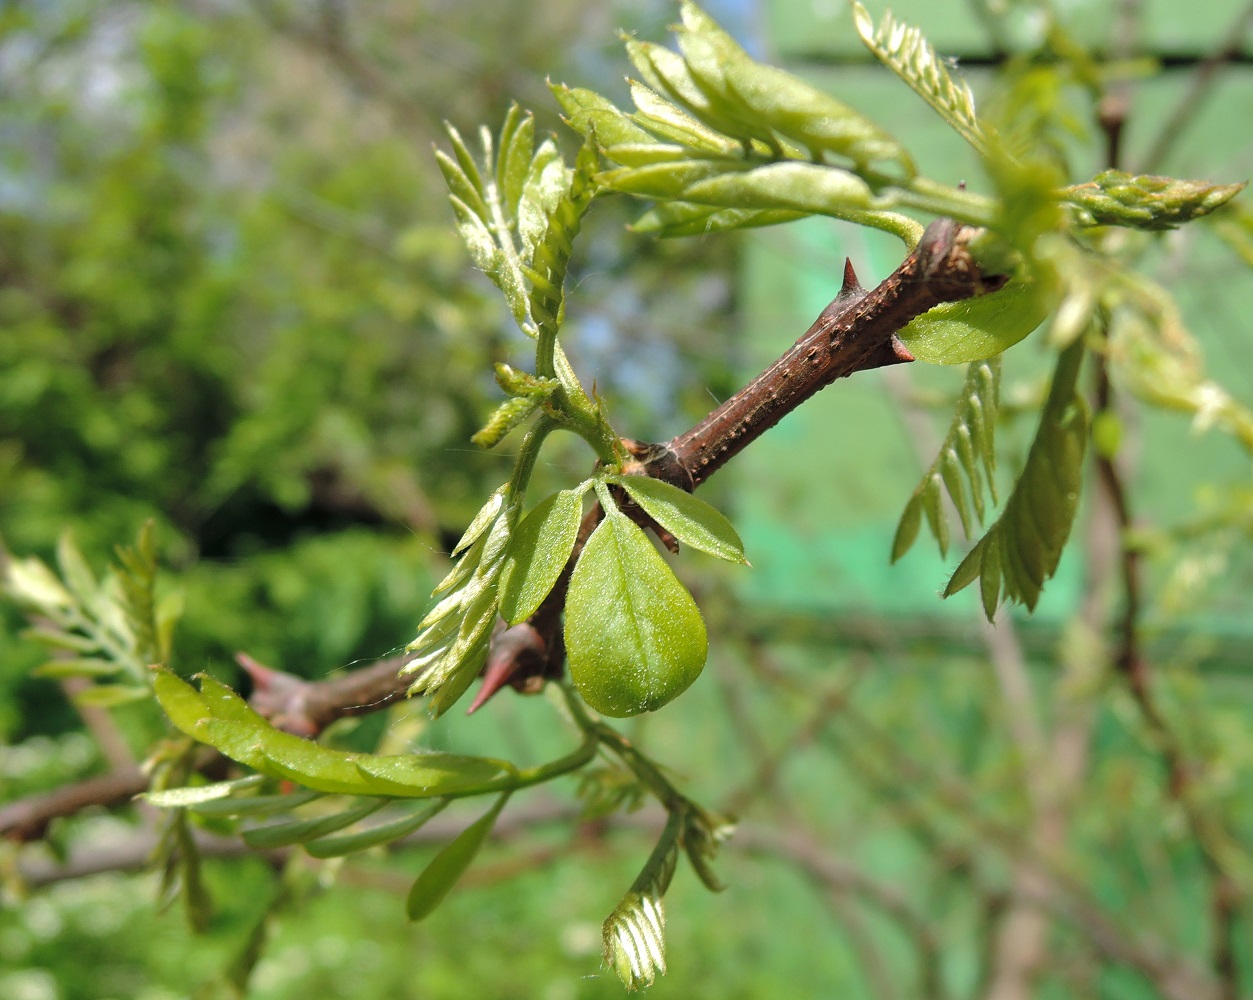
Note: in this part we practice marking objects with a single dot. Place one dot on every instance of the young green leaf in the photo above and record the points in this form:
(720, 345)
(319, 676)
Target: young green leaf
(338, 845)
(688, 518)
(508, 415)
(904, 50)
(256, 805)
(955, 333)
(681, 218)
(78, 667)
(176, 798)
(443, 871)
(538, 553)
(1115, 198)
(969, 442)
(431, 773)
(267, 838)
(595, 117)
(32, 584)
(1021, 550)
(75, 571)
(779, 104)
(634, 934)
(634, 637)
(180, 702)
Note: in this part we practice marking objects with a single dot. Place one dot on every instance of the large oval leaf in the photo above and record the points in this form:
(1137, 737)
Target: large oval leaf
(537, 554)
(688, 518)
(634, 637)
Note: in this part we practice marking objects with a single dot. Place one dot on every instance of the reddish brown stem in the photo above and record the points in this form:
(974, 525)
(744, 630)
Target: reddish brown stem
(856, 332)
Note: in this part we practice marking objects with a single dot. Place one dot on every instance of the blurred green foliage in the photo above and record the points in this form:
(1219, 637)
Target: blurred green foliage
(233, 301)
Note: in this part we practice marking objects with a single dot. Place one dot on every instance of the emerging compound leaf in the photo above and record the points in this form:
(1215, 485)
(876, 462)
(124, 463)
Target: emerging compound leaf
(779, 104)
(138, 578)
(443, 871)
(904, 50)
(75, 571)
(1021, 550)
(594, 117)
(452, 640)
(634, 934)
(1159, 361)
(538, 553)
(634, 636)
(688, 518)
(969, 443)
(504, 418)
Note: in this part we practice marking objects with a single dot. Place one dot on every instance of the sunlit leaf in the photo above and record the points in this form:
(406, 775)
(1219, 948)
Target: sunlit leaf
(778, 103)
(180, 702)
(1116, 198)
(688, 518)
(634, 637)
(171, 798)
(974, 329)
(680, 218)
(431, 773)
(538, 553)
(905, 51)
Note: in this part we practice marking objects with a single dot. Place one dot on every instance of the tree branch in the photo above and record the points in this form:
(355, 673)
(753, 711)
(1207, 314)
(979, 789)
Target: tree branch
(856, 332)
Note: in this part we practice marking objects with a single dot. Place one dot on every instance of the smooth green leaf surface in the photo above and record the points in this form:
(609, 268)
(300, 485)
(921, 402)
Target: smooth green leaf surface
(438, 877)
(431, 772)
(538, 552)
(955, 333)
(634, 637)
(688, 518)
(680, 218)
